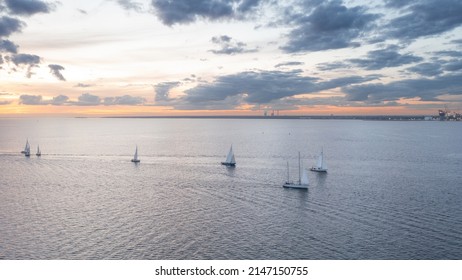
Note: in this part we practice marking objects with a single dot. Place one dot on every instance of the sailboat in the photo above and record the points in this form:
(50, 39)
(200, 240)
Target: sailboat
(303, 181)
(135, 157)
(39, 153)
(25, 148)
(230, 160)
(321, 165)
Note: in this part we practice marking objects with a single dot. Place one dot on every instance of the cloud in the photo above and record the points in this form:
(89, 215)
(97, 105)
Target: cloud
(30, 99)
(289, 63)
(448, 53)
(424, 88)
(27, 7)
(124, 100)
(27, 59)
(8, 46)
(427, 69)
(259, 87)
(333, 65)
(424, 18)
(375, 60)
(186, 11)
(229, 46)
(453, 65)
(59, 100)
(4, 102)
(389, 57)
(130, 5)
(82, 85)
(162, 90)
(458, 41)
(329, 26)
(397, 3)
(56, 69)
(10, 25)
(87, 99)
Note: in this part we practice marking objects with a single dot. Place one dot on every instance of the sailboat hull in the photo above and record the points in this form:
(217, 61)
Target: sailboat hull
(228, 163)
(135, 160)
(295, 186)
(318, 169)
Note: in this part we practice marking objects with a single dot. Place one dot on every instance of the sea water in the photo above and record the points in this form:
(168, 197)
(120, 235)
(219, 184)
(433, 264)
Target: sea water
(393, 189)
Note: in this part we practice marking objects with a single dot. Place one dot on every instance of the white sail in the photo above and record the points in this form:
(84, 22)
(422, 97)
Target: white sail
(230, 159)
(135, 157)
(320, 160)
(27, 149)
(304, 180)
(321, 165)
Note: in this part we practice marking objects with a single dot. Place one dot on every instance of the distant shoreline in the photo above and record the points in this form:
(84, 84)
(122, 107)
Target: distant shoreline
(313, 117)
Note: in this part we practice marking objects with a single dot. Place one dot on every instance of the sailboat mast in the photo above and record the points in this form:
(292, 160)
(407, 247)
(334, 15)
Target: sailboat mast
(288, 177)
(299, 170)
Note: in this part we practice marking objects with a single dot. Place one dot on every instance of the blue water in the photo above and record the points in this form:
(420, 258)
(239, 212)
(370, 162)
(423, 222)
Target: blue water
(393, 189)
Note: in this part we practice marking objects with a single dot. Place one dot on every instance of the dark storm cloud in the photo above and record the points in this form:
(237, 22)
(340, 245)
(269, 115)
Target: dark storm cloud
(124, 100)
(9, 25)
(28, 7)
(424, 18)
(30, 99)
(288, 63)
(329, 26)
(389, 57)
(162, 90)
(229, 46)
(87, 99)
(56, 69)
(8, 46)
(187, 11)
(130, 5)
(261, 87)
(425, 89)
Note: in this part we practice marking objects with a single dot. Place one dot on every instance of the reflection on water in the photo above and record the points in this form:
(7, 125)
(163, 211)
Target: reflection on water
(391, 191)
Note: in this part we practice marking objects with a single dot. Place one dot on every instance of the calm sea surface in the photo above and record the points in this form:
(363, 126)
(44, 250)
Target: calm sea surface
(393, 190)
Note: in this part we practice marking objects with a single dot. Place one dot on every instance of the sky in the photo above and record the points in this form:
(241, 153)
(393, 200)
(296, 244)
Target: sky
(229, 57)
